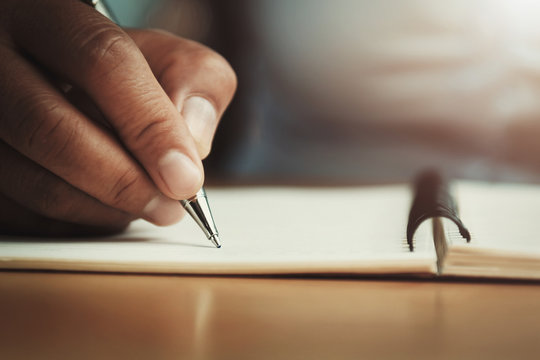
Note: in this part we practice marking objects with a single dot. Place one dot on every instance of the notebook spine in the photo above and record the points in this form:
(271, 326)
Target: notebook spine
(432, 198)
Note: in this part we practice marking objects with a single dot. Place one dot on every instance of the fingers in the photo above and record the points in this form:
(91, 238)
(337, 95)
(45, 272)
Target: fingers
(44, 193)
(101, 59)
(18, 220)
(40, 124)
(199, 81)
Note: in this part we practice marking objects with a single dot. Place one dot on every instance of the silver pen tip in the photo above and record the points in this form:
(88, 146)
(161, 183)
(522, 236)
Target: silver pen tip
(215, 240)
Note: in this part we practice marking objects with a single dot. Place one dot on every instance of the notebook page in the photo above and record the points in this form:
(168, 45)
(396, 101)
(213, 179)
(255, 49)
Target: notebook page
(263, 231)
(501, 217)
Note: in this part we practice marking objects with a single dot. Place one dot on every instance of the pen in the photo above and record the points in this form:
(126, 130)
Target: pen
(197, 206)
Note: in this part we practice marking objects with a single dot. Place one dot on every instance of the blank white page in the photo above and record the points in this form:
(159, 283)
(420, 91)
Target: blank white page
(501, 217)
(505, 232)
(263, 231)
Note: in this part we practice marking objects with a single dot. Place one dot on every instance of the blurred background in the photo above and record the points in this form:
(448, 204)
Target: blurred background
(347, 91)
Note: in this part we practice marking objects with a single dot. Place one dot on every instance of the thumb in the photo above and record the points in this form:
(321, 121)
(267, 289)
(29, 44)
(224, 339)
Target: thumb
(200, 82)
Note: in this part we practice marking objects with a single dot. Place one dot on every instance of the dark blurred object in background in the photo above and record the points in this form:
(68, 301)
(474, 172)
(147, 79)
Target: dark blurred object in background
(359, 91)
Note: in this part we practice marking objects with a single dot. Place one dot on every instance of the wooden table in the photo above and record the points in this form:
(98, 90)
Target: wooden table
(111, 316)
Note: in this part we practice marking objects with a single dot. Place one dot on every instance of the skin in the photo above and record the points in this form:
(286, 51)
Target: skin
(99, 125)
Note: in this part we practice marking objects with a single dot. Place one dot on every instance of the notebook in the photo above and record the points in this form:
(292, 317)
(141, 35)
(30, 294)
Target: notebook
(371, 230)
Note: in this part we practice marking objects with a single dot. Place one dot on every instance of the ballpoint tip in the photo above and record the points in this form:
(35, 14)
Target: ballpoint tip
(215, 240)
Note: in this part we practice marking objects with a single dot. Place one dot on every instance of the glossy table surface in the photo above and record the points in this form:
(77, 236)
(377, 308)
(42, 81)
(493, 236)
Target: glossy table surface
(114, 316)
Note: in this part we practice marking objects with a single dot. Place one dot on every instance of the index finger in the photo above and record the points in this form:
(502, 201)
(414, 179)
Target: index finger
(93, 53)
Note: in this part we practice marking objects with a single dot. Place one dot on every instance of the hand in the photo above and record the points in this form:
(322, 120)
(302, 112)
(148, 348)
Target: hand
(99, 126)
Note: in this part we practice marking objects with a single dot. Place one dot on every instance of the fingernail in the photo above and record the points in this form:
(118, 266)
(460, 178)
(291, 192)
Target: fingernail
(201, 119)
(163, 211)
(180, 174)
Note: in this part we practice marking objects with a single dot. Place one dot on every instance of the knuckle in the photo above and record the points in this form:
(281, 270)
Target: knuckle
(123, 189)
(149, 133)
(39, 129)
(197, 61)
(104, 47)
(49, 143)
(201, 59)
(149, 126)
(22, 120)
(221, 70)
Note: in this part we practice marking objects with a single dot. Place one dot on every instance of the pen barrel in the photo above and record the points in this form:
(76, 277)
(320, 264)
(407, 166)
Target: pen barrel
(198, 208)
(101, 7)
